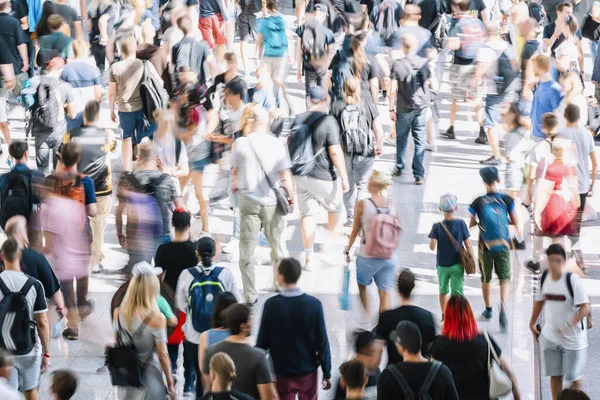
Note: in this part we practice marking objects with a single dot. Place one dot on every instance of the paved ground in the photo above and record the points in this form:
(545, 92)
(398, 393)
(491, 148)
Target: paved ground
(453, 168)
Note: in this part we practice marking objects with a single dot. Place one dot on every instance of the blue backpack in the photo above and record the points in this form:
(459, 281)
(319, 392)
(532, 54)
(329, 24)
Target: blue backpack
(202, 294)
(493, 224)
(276, 42)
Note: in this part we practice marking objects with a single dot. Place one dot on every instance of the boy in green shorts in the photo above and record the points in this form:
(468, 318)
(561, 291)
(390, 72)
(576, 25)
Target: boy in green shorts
(447, 236)
(494, 212)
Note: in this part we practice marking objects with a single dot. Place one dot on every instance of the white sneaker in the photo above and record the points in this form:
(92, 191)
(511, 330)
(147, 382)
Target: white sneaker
(430, 147)
(232, 247)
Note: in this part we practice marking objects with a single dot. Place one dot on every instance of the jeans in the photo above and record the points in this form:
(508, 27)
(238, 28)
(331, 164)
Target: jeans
(46, 148)
(189, 372)
(191, 351)
(133, 127)
(359, 169)
(314, 78)
(252, 217)
(405, 122)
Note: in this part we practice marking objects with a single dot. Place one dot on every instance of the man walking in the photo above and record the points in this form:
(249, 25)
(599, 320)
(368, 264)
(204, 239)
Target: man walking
(410, 93)
(293, 331)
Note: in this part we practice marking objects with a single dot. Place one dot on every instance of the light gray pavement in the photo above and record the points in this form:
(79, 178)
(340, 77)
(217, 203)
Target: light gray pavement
(453, 168)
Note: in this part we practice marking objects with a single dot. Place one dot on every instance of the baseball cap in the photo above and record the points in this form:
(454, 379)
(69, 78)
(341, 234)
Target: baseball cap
(317, 93)
(489, 175)
(408, 335)
(448, 202)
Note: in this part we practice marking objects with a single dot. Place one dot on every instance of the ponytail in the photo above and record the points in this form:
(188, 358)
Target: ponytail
(206, 259)
(359, 54)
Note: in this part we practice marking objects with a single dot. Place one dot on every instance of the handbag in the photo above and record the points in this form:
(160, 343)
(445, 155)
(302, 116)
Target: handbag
(282, 196)
(500, 383)
(124, 366)
(466, 259)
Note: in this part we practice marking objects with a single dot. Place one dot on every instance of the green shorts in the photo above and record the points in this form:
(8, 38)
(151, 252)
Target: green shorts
(452, 279)
(498, 261)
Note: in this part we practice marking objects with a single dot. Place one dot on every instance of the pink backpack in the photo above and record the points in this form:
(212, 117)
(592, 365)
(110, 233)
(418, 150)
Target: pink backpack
(383, 236)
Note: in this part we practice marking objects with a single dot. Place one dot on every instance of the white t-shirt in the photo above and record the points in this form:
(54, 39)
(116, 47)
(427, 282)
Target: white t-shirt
(489, 54)
(583, 144)
(559, 308)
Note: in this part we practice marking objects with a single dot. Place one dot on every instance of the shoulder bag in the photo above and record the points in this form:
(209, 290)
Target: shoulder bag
(466, 259)
(500, 383)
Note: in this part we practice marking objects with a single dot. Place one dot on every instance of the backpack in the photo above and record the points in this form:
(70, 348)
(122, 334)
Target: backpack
(202, 294)
(493, 224)
(570, 289)
(507, 74)
(537, 12)
(313, 44)
(151, 188)
(153, 94)
(16, 197)
(384, 233)
(48, 108)
(424, 389)
(277, 39)
(472, 35)
(356, 135)
(70, 185)
(437, 27)
(18, 329)
(300, 144)
(341, 71)
(413, 87)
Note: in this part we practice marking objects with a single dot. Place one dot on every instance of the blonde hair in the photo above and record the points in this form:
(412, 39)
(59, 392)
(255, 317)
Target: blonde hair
(541, 61)
(245, 125)
(381, 179)
(80, 48)
(222, 365)
(558, 149)
(146, 151)
(140, 298)
(16, 228)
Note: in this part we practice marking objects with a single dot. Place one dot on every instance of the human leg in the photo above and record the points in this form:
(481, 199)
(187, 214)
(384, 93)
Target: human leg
(198, 186)
(403, 126)
(42, 155)
(444, 286)
(418, 133)
(350, 196)
(359, 170)
(271, 222)
(191, 349)
(68, 289)
(486, 264)
(457, 280)
(128, 122)
(98, 224)
(307, 386)
(556, 386)
(249, 230)
(173, 350)
(384, 280)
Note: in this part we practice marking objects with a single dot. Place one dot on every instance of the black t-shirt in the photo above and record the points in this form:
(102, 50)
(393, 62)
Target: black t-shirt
(371, 4)
(11, 36)
(477, 6)
(37, 266)
(442, 387)
(20, 10)
(529, 50)
(327, 40)
(369, 71)
(428, 11)
(69, 14)
(325, 133)
(388, 320)
(468, 363)
(402, 69)
(174, 258)
(368, 109)
(232, 395)
(192, 53)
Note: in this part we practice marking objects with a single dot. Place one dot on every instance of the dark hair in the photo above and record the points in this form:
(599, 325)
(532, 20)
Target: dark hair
(514, 110)
(363, 340)
(181, 219)
(70, 154)
(556, 250)
(55, 21)
(572, 113)
(291, 270)
(4, 6)
(64, 384)
(549, 121)
(92, 110)
(359, 54)
(464, 6)
(10, 250)
(224, 300)
(131, 182)
(273, 5)
(572, 394)
(561, 6)
(236, 88)
(354, 374)
(406, 283)
(206, 249)
(48, 9)
(235, 316)
(17, 149)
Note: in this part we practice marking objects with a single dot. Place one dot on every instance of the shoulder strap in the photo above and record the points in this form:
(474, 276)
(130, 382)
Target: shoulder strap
(27, 286)
(452, 239)
(438, 15)
(491, 351)
(195, 273)
(433, 371)
(5, 290)
(570, 284)
(408, 393)
(543, 279)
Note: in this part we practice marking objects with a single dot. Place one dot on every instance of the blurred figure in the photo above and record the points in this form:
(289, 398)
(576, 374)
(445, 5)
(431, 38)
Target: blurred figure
(57, 42)
(6, 369)
(102, 15)
(368, 354)
(572, 394)
(64, 384)
(274, 41)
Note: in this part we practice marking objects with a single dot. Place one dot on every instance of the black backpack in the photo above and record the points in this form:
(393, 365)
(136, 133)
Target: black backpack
(18, 329)
(438, 26)
(313, 43)
(153, 94)
(424, 390)
(356, 135)
(507, 74)
(413, 87)
(300, 146)
(153, 184)
(16, 197)
(46, 106)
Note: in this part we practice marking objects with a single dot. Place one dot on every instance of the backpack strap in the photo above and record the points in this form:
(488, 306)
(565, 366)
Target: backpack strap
(195, 273)
(433, 371)
(408, 393)
(5, 290)
(543, 279)
(452, 238)
(177, 151)
(570, 284)
(27, 286)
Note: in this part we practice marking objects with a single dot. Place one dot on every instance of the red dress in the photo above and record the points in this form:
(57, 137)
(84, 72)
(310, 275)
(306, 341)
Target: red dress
(558, 218)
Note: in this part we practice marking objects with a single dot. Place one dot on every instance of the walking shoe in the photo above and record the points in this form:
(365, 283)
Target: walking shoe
(419, 181)
(519, 245)
(349, 223)
(86, 310)
(533, 267)
(449, 134)
(430, 147)
(481, 140)
(503, 320)
(70, 334)
(232, 246)
(491, 161)
(397, 171)
(487, 314)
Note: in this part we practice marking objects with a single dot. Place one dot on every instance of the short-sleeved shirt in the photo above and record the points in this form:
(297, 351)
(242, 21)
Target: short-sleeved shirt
(477, 6)
(367, 107)
(59, 42)
(530, 49)
(209, 8)
(36, 299)
(81, 74)
(107, 9)
(20, 10)
(164, 307)
(11, 36)
(174, 258)
(273, 157)
(325, 133)
(447, 251)
(36, 265)
(192, 53)
(268, 27)
(549, 31)
(369, 70)
(166, 193)
(584, 145)
(128, 74)
(401, 71)
(560, 307)
(415, 374)
(423, 36)
(65, 92)
(547, 98)
(489, 54)
(252, 366)
(69, 14)
(328, 40)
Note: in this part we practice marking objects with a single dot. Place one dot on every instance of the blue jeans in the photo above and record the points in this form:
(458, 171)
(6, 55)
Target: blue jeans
(405, 122)
(189, 373)
(132, 124)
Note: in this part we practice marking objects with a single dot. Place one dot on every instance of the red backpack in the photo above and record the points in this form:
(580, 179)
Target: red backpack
(384, 231)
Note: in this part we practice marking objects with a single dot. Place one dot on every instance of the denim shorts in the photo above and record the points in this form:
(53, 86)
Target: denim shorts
(200, 164)
(132, 124)
(494, 107)
(524, 107)
(559, 361)
(380, 270)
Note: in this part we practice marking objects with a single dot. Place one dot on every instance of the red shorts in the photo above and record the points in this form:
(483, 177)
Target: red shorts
(213, 30)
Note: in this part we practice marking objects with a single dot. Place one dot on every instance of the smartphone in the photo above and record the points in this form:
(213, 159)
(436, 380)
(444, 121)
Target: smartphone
(538, 327)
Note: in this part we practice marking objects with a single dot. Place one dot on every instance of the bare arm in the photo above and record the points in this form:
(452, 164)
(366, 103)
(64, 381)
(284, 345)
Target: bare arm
(212, 65)
(43, 328)
(594, 170)
(78, 27)
(8, 73)
(513, 378)
(337, 157)
(432, 244)
(584, 310)
(357, 226)
(538, 306)
(374, 86)
(392, 98)
(472, 222)
(112, 97)
(92, 209)
(70, 110)
(22, 48)
(288, 182)
(580, 57)
(98, 92)
(469, 247)
(102, 26)
(267, 391)
(160, 322)
(206, 384)
(121, 207)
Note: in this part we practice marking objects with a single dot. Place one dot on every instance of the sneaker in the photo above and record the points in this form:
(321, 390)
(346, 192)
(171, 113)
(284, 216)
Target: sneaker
(70, 334)
(487, 314)
(430, 147)
(349, 223)
(449, 134)
(86, 310)
(503, 320)
(491, 161)
(481, 139)
(419, 181)
(232, 246)
(533, 267)
(397, 171)
(519, 245)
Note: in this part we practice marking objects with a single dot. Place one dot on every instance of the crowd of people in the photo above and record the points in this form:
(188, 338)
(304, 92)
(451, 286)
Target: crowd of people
(178, 103)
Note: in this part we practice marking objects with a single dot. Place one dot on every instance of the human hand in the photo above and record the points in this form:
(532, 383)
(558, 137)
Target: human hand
(345, 186)
(393, 116)
(171, 391)
(299, 75)
(537, 220)
(123, 241)
(25, 67)
(45, 364)
(378, 152)
(113, 116)
(62, 312)
(103, 40)
(348, 257)
(326, 385)
(534, 330)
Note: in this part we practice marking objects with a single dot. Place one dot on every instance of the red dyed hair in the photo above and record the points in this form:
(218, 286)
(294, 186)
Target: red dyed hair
(459, 321)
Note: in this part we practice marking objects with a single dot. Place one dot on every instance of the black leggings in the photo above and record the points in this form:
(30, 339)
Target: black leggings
(191, 350)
